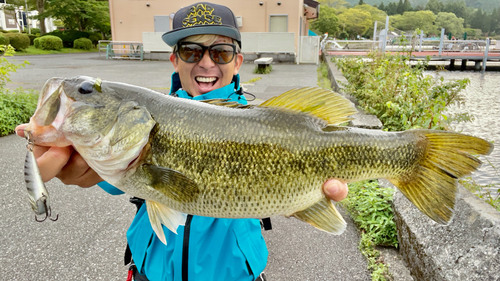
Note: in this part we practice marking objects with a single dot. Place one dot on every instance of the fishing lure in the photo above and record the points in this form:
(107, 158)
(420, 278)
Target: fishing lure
(37, 192)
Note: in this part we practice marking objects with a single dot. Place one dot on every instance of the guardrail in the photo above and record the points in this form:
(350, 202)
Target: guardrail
(122, 49)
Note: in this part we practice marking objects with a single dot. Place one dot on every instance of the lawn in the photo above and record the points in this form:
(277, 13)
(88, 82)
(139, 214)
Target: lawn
(34, 51)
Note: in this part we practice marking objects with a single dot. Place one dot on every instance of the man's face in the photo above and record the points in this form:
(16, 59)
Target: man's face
(204, 76)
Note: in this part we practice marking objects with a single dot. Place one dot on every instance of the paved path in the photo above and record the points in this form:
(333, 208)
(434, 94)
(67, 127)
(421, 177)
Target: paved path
(88, 240)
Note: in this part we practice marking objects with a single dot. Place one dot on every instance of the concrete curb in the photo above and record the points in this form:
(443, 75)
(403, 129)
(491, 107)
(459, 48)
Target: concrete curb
(466, 249)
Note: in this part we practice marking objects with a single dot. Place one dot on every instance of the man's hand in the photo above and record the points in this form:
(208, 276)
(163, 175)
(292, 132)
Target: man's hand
(62, 162)
(335, 189)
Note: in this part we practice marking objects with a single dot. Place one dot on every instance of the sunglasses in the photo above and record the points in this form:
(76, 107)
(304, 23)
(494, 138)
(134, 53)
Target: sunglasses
(193, 52)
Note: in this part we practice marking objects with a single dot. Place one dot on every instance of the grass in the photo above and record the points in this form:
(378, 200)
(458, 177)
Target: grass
(31, 50)
(16, 107)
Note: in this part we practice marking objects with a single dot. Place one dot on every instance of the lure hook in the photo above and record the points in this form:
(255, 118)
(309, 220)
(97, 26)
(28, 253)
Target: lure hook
(48, 214)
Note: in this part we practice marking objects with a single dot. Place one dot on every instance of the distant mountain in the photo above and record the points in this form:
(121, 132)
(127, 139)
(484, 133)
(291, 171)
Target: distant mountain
(486, 5)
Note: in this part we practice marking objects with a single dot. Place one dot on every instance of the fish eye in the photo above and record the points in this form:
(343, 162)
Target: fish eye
(86, 88)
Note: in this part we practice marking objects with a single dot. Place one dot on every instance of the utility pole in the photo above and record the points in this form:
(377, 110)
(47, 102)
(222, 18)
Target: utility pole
(26, 13)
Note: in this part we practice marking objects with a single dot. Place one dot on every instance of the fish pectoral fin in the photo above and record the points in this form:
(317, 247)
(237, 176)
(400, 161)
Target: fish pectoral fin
(173, 184)
(161, 215)
(324, 216)
(324, 104)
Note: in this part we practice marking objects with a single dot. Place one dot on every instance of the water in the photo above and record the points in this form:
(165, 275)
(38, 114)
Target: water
(482, 100)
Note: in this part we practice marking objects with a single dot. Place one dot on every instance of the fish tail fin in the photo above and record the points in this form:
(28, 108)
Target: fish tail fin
(324, 216)
(160, 214)
(432, 184)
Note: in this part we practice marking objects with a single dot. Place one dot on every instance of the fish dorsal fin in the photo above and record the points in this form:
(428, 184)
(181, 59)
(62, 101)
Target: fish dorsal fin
(324, 104)
(226, 103)
(324, 216)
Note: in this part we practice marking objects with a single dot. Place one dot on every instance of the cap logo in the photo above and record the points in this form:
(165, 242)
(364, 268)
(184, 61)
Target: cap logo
(201, 14)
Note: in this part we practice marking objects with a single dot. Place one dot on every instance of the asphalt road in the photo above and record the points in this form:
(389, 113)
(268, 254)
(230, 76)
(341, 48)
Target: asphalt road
(88, 240)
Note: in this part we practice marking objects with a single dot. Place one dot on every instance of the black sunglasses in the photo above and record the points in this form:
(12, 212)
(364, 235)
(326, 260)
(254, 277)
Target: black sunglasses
(193, 52)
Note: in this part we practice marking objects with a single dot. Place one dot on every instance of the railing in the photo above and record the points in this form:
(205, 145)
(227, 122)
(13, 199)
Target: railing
(102, 45)
(123, 50)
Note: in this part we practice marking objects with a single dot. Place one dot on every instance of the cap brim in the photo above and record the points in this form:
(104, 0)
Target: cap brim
(173, 36)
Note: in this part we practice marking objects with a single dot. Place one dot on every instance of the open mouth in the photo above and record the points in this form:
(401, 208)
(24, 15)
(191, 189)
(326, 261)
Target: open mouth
(206, 83)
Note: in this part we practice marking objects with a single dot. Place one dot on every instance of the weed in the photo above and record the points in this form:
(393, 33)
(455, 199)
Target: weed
(323, 80)
(263, 70)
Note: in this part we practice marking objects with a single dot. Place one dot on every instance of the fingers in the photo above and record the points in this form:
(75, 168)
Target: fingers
(51, 160)
(335, 189)
(78, 172)
(20, 130)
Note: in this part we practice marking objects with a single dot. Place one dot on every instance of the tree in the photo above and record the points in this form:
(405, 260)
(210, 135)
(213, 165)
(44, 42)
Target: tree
(361, 2)
(401, 8)
(423, 20)
(435, 6)
(382, 7)
(392, 8)
(407, 6)
(375, 15)
(334, 3)
(356, 21)
(82, 15)
(450, 23)
(327, 21)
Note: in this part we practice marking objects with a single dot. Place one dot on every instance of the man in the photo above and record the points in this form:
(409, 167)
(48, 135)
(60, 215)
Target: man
(206, 56)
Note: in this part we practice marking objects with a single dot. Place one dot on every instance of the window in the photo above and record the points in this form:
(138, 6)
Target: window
(278, 23)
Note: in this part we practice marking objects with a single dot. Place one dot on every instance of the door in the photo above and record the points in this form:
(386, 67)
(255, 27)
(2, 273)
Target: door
(309, 49)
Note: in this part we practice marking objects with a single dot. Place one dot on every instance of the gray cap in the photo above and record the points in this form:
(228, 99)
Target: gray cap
(202, 18)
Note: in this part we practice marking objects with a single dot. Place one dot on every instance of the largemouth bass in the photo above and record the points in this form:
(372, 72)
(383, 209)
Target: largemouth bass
(219, 160)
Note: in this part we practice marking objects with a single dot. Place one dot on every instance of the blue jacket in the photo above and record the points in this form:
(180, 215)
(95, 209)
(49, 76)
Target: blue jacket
(205, 248)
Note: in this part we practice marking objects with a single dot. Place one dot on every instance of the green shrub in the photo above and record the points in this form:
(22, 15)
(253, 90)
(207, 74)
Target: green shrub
(18, 40)
(82, 43)
(16, 108)
(68, 37)
(399, 94)
(36, 42)
(13, 31)
(50, 42)
(95, 37)
(3, 31)
(35, 31)
(4, 40)
(32, 38)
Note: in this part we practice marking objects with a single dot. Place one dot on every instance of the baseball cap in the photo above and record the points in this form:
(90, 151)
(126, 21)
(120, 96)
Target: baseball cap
(202, 18)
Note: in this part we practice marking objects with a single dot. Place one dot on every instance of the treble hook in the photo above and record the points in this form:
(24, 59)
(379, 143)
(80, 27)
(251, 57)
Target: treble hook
(48, 213)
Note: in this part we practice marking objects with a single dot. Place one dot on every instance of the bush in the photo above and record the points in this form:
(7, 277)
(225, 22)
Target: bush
(13, 31)
(18, 40)
(82, 43)
(35, 30)
(16, 108)
(95, 37)
(68, 37)
(4, 40)
(36, 42)
(399, 94)
(32, 38)
(50, 42)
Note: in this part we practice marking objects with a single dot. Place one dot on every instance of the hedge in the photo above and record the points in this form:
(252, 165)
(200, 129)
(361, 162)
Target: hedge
(19, 41)
(50, 42)
(4, 40)
(69, 37)
(82, 43)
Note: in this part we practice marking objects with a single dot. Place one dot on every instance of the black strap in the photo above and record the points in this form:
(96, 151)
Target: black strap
(128, 254)
(266, 224)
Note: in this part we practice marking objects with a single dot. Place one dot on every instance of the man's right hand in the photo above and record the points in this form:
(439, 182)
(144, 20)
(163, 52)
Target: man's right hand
(64, 163)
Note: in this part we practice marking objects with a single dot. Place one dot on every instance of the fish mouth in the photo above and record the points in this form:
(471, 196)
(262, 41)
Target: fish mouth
(206, 83)
(52, 107)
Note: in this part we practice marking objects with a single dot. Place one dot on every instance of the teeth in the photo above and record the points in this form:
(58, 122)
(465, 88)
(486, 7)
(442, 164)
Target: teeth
(206, 79)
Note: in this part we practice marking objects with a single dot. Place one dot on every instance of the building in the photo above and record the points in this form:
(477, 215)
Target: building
(266, 26)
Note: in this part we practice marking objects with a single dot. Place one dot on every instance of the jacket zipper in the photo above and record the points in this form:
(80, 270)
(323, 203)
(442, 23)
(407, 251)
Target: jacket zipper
(185, 248)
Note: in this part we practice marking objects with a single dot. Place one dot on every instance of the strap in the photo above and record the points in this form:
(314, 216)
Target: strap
(266, 224)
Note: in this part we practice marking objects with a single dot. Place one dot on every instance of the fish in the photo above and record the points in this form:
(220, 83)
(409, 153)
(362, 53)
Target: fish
(37, 192)
(224, 160)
